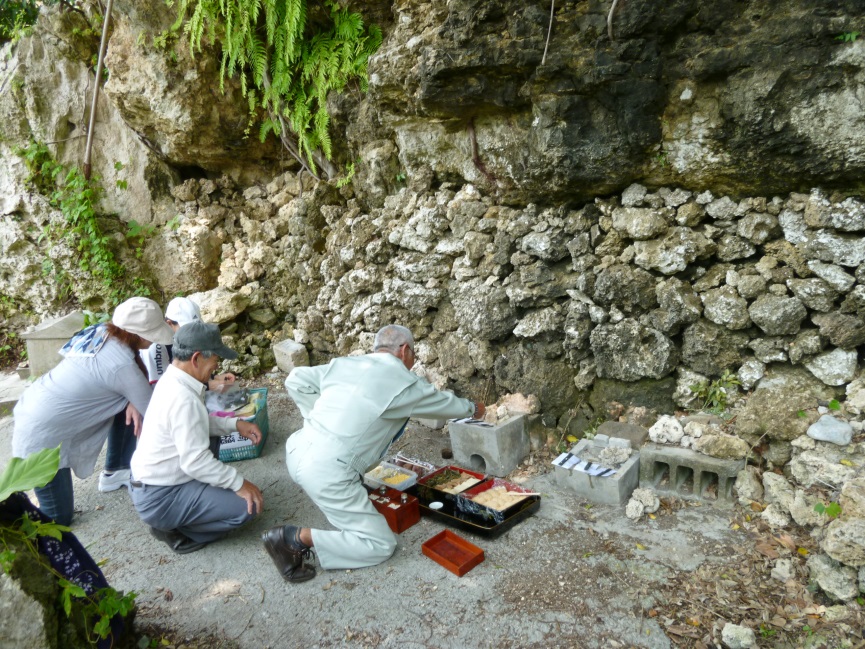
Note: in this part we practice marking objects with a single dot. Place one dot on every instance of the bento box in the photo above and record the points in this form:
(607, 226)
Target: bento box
(390, 476)
(494, 500)
(446, 483)
(454, 504)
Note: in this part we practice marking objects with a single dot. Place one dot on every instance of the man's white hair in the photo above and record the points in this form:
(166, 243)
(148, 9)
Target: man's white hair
(391, 337)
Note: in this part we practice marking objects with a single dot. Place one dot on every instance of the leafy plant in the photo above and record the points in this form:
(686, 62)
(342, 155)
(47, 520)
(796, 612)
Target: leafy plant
(286, 65)
(77, 197)
(16, 16)
(95, 317)
(847, 37)
(766, 632)
(136, 234)
(832, 510)
(349, 174)
(834, 405)
(37, 470)
(714, 394)
(174, 223)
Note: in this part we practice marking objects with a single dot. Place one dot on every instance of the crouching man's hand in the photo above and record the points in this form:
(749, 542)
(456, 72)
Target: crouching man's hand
(252, 495)
(249, 430)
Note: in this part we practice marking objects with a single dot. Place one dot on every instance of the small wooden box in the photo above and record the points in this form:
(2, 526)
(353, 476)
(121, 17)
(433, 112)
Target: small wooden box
(399, 515)
(453, 552)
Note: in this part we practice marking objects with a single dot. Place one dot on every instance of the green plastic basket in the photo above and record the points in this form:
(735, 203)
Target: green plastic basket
(250, 451)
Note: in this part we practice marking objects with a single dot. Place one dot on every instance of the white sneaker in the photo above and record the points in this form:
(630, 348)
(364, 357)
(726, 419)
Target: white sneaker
(113, 481)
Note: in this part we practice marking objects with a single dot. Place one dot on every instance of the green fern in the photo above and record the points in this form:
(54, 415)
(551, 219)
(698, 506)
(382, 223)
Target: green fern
(286, 67)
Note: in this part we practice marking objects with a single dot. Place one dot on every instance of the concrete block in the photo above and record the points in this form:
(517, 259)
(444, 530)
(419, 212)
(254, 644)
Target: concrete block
(637, 434)
(435, 424)
(12, 387)
(688, 474)
(290, 354)
(496, 450)
(46, 339)
(612, 490)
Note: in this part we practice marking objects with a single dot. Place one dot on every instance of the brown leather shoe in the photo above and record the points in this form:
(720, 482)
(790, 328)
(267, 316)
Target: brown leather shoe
(287, 559)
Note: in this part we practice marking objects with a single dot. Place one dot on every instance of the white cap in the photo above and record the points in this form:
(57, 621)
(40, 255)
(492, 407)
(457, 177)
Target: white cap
(182, 310)
(143, 317)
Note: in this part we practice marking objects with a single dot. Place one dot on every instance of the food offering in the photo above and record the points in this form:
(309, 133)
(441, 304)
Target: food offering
(447, 482)
(495, 500)
(388, 475)
(447, 495)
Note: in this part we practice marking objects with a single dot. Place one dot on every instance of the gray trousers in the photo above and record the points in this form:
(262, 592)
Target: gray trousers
(197, 510)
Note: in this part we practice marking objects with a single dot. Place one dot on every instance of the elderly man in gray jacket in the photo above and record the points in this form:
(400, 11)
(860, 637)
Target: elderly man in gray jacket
(354, 408)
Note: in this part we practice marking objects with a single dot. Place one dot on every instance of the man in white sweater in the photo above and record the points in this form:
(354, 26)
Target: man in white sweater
(187, 496)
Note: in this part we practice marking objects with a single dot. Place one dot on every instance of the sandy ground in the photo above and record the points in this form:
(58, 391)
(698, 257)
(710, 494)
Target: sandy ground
(573, 575)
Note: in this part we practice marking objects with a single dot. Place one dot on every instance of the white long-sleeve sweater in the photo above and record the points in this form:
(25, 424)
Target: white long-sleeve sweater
(174, 444)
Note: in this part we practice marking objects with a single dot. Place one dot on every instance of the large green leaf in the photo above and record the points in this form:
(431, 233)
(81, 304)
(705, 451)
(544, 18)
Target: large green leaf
(35, 470)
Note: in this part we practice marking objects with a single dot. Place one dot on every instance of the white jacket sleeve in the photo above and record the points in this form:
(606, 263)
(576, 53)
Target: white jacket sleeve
(304, 386)
(423, 400)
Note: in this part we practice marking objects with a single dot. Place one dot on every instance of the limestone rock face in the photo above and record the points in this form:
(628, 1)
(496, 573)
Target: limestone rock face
(774, 405)
(819, 462)
(23, 625)
(837, 581)
(628, 351)
(463, 89)
(852, 499)
(748, 486)
(49, 72)
(726, 447)
(845, 541)
(735, 636)
(579, 230)
(174, 102)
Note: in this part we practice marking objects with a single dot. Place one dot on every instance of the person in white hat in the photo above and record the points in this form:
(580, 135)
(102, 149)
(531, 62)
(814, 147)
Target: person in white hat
(156, 358)
(180, 311)
(73, 406)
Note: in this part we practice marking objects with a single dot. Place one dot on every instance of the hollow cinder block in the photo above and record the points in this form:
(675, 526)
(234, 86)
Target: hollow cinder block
(496, 450)
(688, 474)
(612, 490)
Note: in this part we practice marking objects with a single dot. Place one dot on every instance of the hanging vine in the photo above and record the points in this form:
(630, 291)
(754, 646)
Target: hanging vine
(286, 65)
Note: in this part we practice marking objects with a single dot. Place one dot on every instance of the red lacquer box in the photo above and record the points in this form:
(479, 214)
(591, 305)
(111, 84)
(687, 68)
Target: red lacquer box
(453, 552)
(399, 515)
